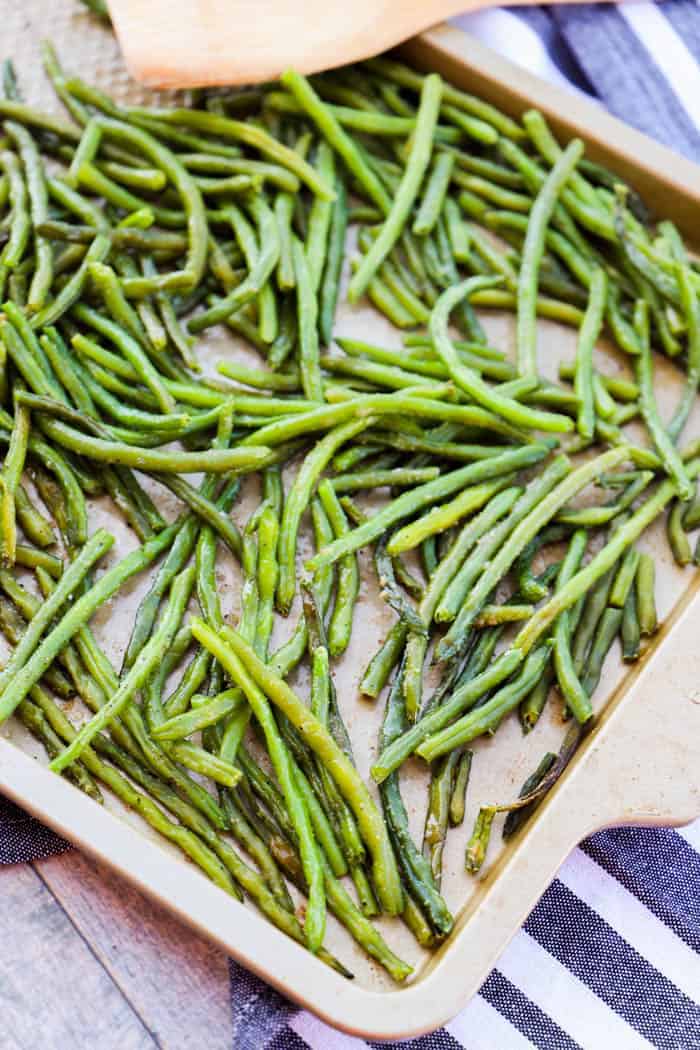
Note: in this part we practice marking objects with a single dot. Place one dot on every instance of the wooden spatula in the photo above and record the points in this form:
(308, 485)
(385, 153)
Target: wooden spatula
(195, 43)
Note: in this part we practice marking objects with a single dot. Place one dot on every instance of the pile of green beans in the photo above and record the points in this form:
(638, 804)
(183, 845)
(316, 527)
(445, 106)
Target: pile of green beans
(503, 508)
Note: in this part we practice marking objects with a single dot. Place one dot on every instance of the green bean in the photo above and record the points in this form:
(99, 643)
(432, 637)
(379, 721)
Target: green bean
(689, 302)
(379, 374)
(416, 165)
(422, 496)
(691, 515)
(520, 503)
(416, 868)
(493, 193)
(605, 407)
(601, 563)
(530, 588)
(624, 579)
(248, 623)
(107, 284)
(24, 653)
(170, 324)
(163, 158)
(12, 110)
(297, 501)
(381, 665)
(173, 563)
(204, 763)
(405, 403)
(533, 249)
(138, 673)
(646, 608)
(591, 611)
(213, 460)
(74, 520)
(370, 121)
(457, 231)
(489, 714)
(677, 537)
(152, 179)
(63, 366)
(123, 237)
(30, 558)
(571, 687)
(469, 381)
(493, 615)
(390, 590)
(396, 477)
(329, 126)
(205, 509)
(193, 676)
(38, 203)
(522, 533)
(404, 294)
(321, 694)
(318, 739)
(547, 146)
(27, 354)
(595, 516)
(459, 789)
(475, 853)
(330, 282)
(20, 226)
(607, 631)
(73, 201)
(315, 915)
(588, 335)
(133, 352)
(37, 723)
(268, 571)
(445, 515)
(259, 378)
(407, 77)
(348, 578)
(647, 400)
(72, 290)
(13, 625)
(517, 817)
(85, 152)
(307, 311)
(462, 699)
(35, 526)
(249, 134)
(630, 630)
(103, 673)
(320, 218)
(231, 184)
(479, 130)
(434, 194)
(190, 843)
(533, 705)
(284, 207)
(10, 478)
(436, 820)
(265, 262)
(57, 78)
(211, 164)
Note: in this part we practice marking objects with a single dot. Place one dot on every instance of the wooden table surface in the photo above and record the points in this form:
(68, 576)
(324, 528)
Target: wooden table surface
(87, 963)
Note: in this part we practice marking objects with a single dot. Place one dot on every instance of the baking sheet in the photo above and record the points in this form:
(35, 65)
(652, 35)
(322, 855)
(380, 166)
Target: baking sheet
(500, 765)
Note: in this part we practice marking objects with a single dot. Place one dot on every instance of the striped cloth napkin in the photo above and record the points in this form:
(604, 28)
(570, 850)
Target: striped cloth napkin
(610, 957)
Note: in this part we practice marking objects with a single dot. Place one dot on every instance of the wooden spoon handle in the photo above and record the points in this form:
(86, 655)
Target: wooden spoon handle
(210, 42)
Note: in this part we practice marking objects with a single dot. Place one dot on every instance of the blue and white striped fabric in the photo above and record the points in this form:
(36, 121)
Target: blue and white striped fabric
(610, 957)
(608, 960)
